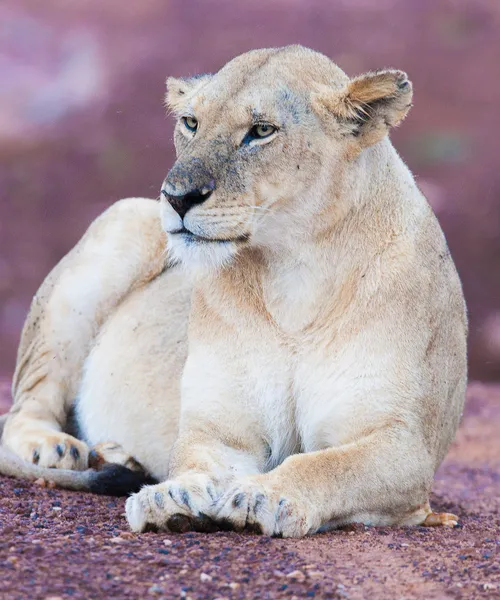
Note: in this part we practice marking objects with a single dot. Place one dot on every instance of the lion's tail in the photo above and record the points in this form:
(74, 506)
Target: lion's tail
(111, 480)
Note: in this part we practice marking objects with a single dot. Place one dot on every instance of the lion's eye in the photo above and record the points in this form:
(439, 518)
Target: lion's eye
(258, 132)
(262, 130)
(191, 123)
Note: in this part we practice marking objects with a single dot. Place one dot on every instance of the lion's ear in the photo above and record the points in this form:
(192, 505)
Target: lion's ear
(180, 90)
(371, 103)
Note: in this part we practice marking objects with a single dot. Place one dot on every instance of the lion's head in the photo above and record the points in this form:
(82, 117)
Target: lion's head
(261, 137)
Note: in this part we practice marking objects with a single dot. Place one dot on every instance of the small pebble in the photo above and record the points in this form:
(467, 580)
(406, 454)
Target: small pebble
(298, 575)
(204, 578)
(156, 589)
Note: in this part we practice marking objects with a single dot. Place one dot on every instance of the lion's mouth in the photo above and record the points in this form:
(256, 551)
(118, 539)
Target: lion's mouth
(192, 237)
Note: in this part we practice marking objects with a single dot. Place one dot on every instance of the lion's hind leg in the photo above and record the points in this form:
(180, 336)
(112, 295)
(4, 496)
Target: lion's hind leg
(113, 453)
(445, 519)
(425, 516)
(122, 250)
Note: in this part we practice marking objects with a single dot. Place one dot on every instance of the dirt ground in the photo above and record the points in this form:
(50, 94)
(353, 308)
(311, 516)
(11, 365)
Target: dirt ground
(56, 544)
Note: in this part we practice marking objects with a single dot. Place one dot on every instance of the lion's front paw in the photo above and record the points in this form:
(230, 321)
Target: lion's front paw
(51, 449)
(178, 505)
(257, 506)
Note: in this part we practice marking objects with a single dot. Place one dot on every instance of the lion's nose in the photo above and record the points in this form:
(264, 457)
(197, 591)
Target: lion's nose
(181, 203)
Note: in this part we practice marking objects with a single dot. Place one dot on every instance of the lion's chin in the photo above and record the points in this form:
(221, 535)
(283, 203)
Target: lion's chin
(199, 253)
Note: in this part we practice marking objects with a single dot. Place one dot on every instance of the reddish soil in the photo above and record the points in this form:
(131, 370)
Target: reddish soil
(57, 544)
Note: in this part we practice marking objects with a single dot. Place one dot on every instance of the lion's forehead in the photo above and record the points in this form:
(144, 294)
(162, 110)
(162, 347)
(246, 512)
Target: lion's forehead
(280, 104)
(273, 83)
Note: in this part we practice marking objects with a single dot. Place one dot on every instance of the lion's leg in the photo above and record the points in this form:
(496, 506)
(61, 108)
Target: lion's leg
(379, 480)
(107, 453)
(122, 249)
(206, 459)
(424, 515)
(129, 393)
(220, 438)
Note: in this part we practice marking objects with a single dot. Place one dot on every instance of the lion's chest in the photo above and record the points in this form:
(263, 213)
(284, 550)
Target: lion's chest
(267, 376)
(306, 398)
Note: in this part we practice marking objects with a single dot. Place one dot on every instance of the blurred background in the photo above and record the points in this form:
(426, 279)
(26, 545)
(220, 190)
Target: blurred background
(82, 122)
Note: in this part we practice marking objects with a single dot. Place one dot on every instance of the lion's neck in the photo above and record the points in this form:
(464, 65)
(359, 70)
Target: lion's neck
(317, 253)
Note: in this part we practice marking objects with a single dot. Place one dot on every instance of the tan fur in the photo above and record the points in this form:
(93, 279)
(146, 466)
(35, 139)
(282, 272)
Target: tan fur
(65, 316)
(325, 372)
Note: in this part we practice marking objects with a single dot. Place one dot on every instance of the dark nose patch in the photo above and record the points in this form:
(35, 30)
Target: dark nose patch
(182, 203)
(188, 183)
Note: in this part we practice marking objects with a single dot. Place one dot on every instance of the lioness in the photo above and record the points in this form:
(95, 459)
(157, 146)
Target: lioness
(324, 361)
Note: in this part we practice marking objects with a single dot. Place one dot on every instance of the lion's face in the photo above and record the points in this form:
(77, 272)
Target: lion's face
(252, 141)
